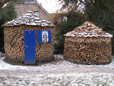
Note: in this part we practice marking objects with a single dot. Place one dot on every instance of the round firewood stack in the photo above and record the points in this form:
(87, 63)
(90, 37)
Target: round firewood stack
(14, 38)
(88, 44)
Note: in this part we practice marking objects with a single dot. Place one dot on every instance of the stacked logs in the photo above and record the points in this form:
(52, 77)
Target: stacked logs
(87, 49)
(14, 38)
(14, 44)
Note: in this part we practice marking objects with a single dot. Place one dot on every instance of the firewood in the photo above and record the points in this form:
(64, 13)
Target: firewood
(88, 46)
(14, 44)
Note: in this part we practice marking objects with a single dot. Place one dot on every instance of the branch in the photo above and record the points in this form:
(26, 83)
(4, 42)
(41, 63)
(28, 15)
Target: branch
(92, 2)
(2, 3)
(81, 1)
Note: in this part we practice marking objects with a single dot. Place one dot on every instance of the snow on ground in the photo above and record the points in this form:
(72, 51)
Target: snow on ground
(56, 73)
(71, 79)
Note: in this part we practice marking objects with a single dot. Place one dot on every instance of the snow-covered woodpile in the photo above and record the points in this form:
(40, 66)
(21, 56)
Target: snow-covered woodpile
(14, 38)
(88, 44)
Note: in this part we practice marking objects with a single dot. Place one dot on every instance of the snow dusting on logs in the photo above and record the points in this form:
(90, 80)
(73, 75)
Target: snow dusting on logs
(88, 44)
(29, 19)
(88, 30)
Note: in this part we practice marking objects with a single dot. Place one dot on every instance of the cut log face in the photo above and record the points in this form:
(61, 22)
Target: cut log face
(14, 44)
(88, 50)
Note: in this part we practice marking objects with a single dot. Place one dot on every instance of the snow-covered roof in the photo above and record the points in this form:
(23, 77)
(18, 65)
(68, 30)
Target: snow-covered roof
(88, 29)
(29, 19)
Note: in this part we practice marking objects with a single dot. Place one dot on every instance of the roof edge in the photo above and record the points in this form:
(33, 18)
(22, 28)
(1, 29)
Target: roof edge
(41, 7)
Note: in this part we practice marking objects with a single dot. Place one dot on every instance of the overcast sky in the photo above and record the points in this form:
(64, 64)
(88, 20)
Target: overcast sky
(50, 5)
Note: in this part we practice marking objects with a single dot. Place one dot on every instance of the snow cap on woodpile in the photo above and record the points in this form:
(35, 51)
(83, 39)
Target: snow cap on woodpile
(88, 29)
(29, 19)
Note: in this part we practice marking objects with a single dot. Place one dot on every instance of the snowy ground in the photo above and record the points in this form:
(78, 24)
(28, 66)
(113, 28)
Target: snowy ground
(56, 73)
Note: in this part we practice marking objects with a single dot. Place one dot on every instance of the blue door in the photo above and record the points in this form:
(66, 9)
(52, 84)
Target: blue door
(30, 46)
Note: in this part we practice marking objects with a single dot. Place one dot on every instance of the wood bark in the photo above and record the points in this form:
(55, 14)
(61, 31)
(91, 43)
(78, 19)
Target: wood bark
(90, 50)
(14, 44)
